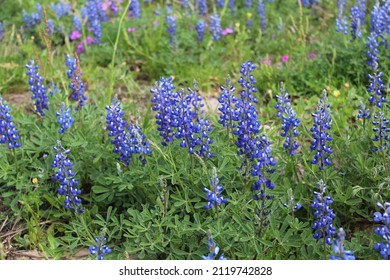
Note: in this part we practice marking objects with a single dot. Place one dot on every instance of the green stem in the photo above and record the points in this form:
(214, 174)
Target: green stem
(111, 87)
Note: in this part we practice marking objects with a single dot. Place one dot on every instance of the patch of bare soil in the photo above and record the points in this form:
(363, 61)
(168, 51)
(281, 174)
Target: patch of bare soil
(21, 100)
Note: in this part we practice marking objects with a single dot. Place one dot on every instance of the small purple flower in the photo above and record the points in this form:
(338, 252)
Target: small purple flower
(75, 35)
(285, 58)
(80, 47)
(227, 31)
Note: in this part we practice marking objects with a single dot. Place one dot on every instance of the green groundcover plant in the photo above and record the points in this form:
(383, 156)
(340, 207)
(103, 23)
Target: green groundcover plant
(195, 130)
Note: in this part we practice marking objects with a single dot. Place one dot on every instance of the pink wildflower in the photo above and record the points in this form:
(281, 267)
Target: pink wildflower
(90, 40)
(285, 58)
(227, 31)
(80, 47)
(266, 61)
(131, 29)
(75, 35)
(312, 55)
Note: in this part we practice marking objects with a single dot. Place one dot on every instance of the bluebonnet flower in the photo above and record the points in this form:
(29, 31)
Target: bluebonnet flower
(323, 214)
(8, 133)
(372, 52)
(255, 149)
(383, 230)
(185, 4)
(100, 249)
(50, 27)
(171, 29)
(164, 102)
(215, 27)
(200, 29)
(65, 176)
(364, 113)
(376, 89)
(137, 143)
(291, 205)
(362, 11)
(338, 248)
(379, 19)
(220, 3)
(127, 139)
(322, 124)
(180, 115)
(263, 153)
(192, 128)
(1, 31)
(262, 14)
(61, 9)
(114, 7)
(37, 88)
(290, 122)
(248, 125)
(95, 15)
(116, 126)
(76, 23)
(381, 130)
(229, 115)
(76, 85)
(232, 6)
(248, 4)
(214, 196)
(53, 88)
(33, 19)
(306, 3)
(64, 118)
(213, 250)
(135, 8)
(341, 20)
(356, 30)
(202, 5)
